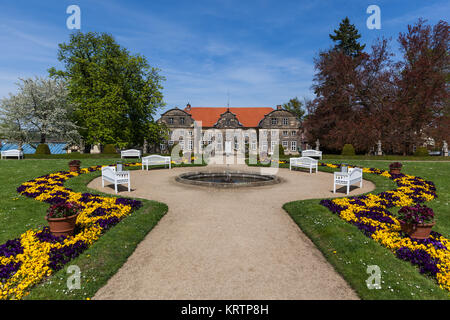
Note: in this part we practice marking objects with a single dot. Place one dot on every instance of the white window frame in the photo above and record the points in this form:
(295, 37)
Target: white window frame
(285, 144)
(285, 121)
(274, 121)
(293, 145)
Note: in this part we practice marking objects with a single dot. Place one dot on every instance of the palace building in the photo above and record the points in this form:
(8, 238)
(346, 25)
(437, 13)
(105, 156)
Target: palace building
(260, 128)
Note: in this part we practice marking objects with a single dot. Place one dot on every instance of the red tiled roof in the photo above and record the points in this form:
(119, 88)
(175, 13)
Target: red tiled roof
(248, 117)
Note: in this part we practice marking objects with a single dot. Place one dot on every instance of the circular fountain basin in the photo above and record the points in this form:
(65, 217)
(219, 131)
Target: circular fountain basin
(227, 179)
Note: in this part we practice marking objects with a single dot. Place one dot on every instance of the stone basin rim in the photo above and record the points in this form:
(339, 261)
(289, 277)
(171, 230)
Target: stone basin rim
(272, 179)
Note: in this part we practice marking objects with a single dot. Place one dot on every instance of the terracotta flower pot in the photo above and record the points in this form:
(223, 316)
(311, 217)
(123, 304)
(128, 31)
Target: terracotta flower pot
(395, 170)
(417, 231)
(74, 168)
(62, 226)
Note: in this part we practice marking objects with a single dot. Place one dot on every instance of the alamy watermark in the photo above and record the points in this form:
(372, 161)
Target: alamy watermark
(374, 280)
(74, 280)
(374, 20)
(74, 20)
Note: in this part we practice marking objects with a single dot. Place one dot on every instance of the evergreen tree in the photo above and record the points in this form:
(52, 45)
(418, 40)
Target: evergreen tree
(346, 37)
(296, 107)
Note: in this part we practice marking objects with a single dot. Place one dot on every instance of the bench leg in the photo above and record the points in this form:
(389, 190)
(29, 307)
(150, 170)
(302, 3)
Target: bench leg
(115, 187)
(348, 188)
(334, 187)
(360, 184)
(103, 183)
(129, 186)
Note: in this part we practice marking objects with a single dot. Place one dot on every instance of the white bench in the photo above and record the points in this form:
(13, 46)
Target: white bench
(130, 153)
(312, 153)
(110, 174)
(347, 179)
(156, 159)
(12, 153)
(303, 162)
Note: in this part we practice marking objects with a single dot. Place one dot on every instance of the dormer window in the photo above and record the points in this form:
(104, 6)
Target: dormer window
(274, 121)
(285, 121)
(170, 120)
(181, 120)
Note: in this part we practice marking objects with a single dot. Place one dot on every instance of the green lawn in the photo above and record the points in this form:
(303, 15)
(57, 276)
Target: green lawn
(350, 252)
(345, 247)
(103, 258)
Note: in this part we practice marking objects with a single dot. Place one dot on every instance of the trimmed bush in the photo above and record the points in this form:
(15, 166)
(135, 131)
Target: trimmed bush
(280, 151)
(421, 152)
(109, 149)
(42, 148)
(348, 150)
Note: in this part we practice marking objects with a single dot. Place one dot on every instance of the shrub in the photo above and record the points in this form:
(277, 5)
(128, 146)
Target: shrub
(348, 150)
(395, 165)
(180, 153)
(109, 149)
(280, 151)
(42, 148)
(421, 152)
(74, 163)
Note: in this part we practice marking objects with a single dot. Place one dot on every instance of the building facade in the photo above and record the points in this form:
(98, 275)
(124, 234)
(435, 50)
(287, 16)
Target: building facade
(254, 129)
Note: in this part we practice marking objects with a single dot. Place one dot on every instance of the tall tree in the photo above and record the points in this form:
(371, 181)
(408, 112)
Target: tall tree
(346, 38)
(423, 84)
(41, 107)
(116, 93)
(296, 107)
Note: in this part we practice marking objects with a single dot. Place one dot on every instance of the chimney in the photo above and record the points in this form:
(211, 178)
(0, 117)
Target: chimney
(279, 107)
(188, 107)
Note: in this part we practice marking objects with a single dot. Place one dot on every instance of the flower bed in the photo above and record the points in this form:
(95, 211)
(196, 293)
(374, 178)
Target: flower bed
(370, 214)
(37, 254)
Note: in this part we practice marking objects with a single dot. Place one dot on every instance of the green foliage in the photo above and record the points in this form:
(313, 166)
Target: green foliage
(180, 153)
(42, 148)
(295, 106)
(109, 149)
(280, 149)
(346, 37)
(421, 152)
(116, 93)
(348, 150)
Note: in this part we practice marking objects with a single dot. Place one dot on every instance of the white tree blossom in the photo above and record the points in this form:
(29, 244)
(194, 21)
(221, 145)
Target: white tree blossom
(41, 107)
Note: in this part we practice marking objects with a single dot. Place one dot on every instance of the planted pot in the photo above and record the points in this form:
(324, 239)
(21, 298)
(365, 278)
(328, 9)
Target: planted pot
(395, 170)
(74, 168)
(62, 226)
(417, 231)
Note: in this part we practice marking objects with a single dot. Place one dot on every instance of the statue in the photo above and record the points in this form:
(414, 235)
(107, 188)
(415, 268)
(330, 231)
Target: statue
(379, 151)
(445, 149)
(317, 145)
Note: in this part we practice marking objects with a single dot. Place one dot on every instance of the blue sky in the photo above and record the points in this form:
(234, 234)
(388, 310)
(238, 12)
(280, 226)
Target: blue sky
(261, 52)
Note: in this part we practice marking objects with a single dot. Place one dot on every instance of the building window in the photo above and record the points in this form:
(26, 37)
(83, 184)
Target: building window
(162, 146)
(170, 142)
(285, 144)
(190, 145)
(285, 121)
(293, 133)
(293, 145)
(181, 120)
(253, 145)
(190, 133)
(272, 145)
(274, 121)
(264, 146)
(285, 133)
(170, 120)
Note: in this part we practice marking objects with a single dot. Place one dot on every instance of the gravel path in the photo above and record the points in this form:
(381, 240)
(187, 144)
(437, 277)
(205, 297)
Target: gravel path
(227, 244)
